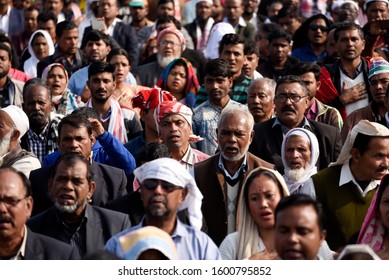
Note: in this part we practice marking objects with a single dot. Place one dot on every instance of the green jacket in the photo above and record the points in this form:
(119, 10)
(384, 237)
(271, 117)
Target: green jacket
(344, 207)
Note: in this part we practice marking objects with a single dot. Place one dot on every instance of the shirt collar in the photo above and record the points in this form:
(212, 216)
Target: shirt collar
(22, 250)
(179, 230)
(241, 22)
(285, 130)
(346, 176)
(243, 166)
(188, 157)
(357, 71)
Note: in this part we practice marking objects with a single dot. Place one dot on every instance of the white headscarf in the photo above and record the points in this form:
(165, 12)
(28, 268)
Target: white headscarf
(311, 169)
(364, 127)
(248, 240)
(217, 32)
(31, 63)
(170, 170)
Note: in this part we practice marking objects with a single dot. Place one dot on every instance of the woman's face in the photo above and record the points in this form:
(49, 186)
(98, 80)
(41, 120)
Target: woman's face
(122, 67)
(176, 79)
(40, 47)
(56, 81)
(263, 197)
(384, 208)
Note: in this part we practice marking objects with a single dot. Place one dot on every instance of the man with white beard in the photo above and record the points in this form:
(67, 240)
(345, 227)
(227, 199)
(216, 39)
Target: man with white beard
(171, 43)
(72, 219)
(299, 153)
(221, 176)
(13, 125)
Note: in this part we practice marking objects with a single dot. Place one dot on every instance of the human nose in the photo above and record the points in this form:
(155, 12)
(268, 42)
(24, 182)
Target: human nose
(292, 237)
(3, 207)
(263, 203)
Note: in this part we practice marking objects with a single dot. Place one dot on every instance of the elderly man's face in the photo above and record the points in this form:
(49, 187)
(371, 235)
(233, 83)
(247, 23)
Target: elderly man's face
(378, 86)
(234, 136)
(75, 140)
(161, 199)
(291, 113)
(377, 11)
(70, 188)
(298, 235)
(15, 207)
(297, 156)
(175, 131)
(169, 48)
(6, 131)
(260, 101)
(37, 105)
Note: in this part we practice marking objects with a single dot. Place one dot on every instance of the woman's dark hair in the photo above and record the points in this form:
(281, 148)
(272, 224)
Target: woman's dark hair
(262, 172)
(118, 51)
(38, 34)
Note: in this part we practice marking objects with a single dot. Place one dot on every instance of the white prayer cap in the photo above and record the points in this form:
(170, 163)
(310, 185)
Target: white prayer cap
(19, 118)
(170, 170)
(210, 2)
(358, 249)
(367, 3)
(363, 127)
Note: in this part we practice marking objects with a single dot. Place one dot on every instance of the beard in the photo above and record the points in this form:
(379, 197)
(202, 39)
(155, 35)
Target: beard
(239, 156)
(164, 61)
(69, 209)
(295, 174)
(37, 119)
(158, 211)
(4, 143)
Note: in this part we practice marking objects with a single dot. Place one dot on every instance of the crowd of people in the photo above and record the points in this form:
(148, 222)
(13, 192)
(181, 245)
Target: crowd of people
(194, 129)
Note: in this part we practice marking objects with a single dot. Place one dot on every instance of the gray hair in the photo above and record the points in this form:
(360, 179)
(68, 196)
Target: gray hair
(269, 82)
(233, 110)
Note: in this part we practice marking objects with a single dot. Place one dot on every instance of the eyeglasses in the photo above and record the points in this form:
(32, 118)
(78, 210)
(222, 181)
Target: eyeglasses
(167, 43)
(317, 27)
(11, 201)
(153, 184)
(294, 98)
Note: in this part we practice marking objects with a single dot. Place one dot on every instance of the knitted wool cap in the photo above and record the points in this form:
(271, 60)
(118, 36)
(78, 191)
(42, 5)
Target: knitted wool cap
(378, 65)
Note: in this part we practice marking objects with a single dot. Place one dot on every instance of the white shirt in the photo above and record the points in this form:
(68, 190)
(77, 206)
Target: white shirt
(345, 177)
(4, 20)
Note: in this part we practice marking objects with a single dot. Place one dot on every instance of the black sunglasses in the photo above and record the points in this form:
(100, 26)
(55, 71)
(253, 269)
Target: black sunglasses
(317, 27)
(153, 184)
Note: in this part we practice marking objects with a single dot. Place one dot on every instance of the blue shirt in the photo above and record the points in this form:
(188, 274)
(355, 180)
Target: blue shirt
(134, 145)
(107, 150)
(190, 243)
(306, 54)
(79, 78)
